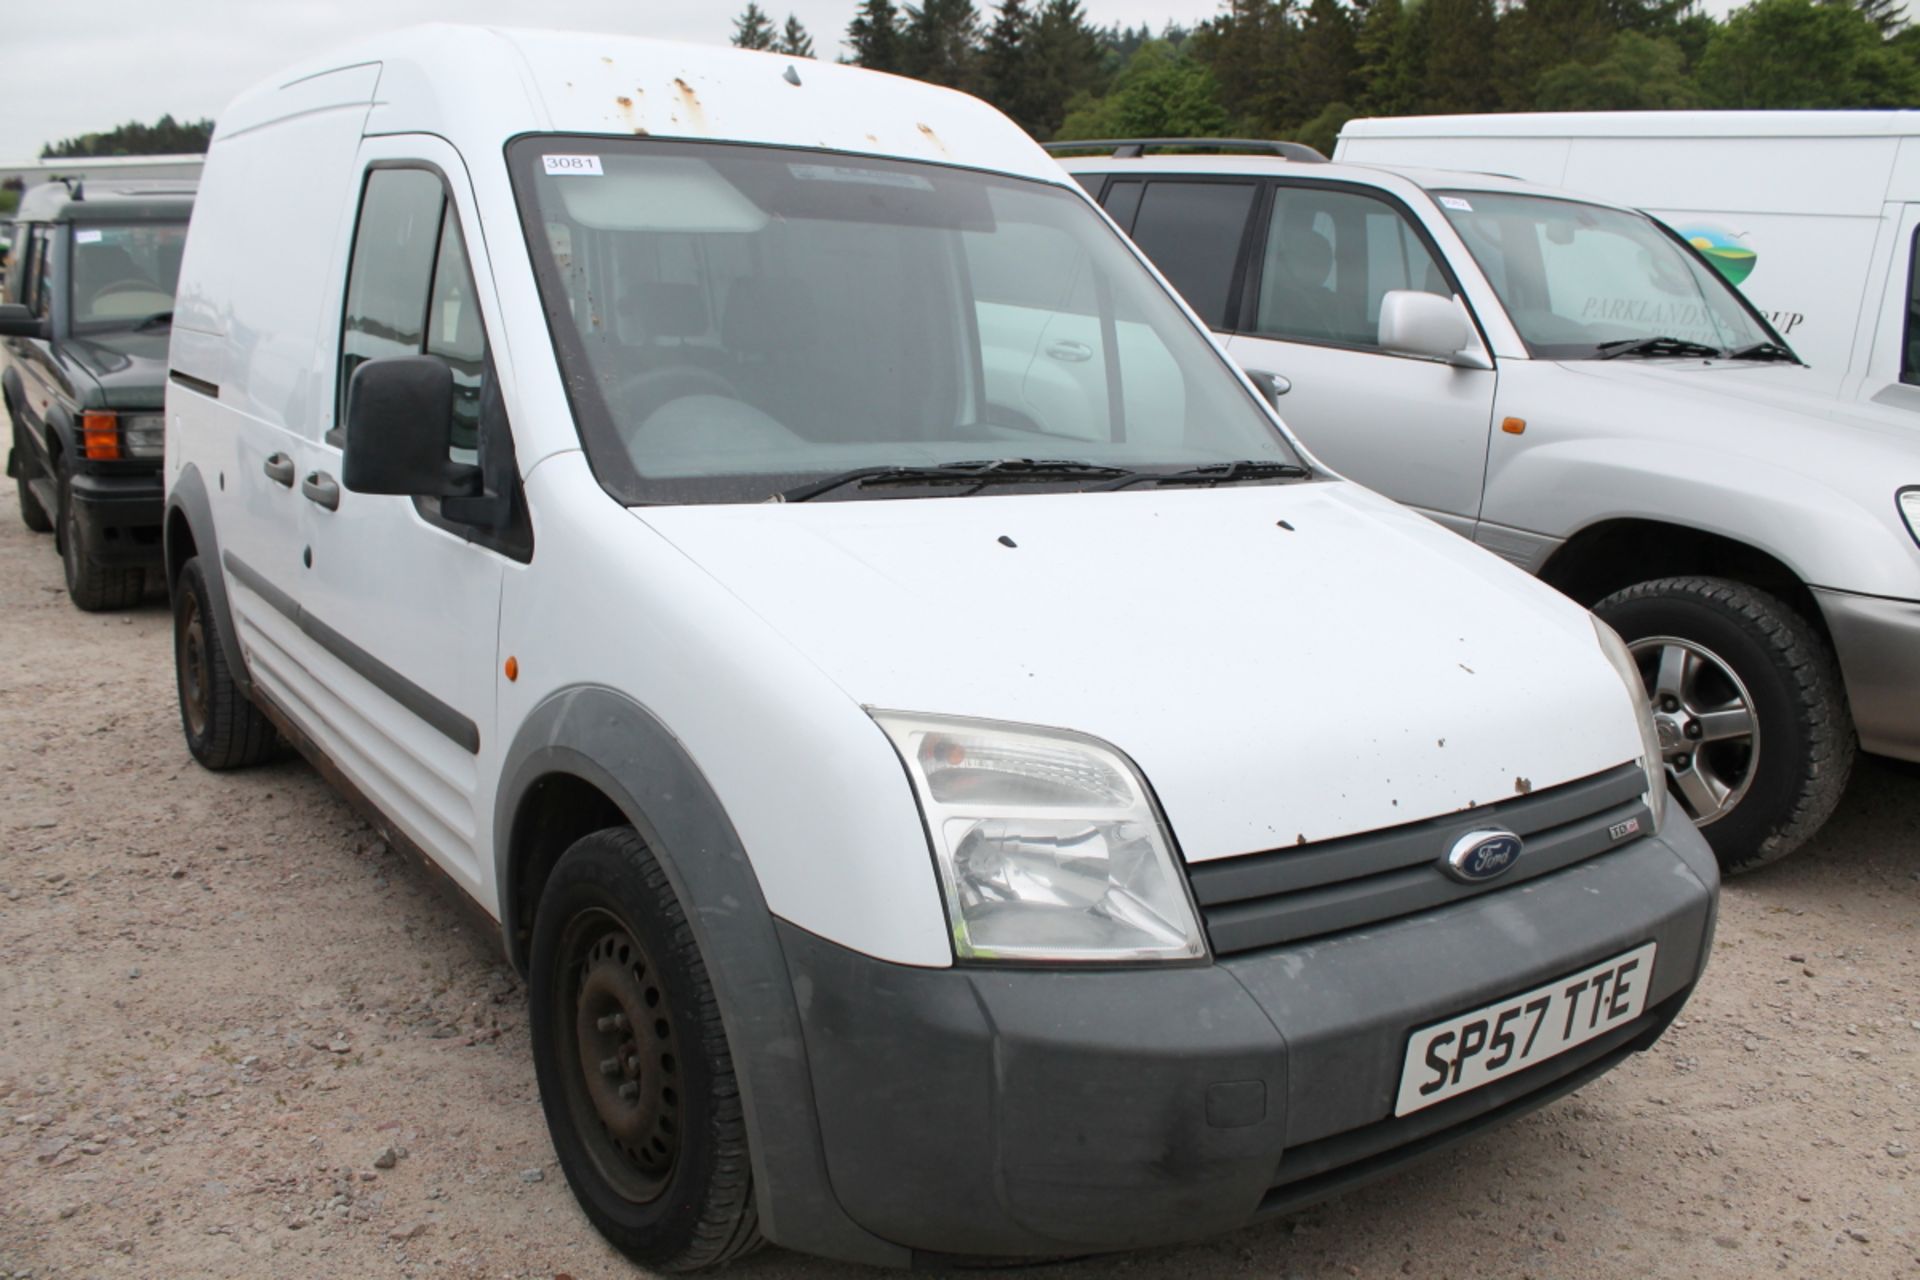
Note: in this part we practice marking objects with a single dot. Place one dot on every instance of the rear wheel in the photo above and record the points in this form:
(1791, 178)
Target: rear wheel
(635, 1074)
(1752, 716)
(32, 514)
(91, 586)
(224, 729)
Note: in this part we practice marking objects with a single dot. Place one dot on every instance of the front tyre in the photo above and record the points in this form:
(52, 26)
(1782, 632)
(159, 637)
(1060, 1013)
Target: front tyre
(224, 729)
(1752, 716)
(635, 1074)
(91, 586)
(32, 514)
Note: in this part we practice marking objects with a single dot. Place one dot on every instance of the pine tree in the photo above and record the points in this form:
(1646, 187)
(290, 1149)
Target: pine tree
(1062, 61)
(1003, 62)
(1247, 49)
(753, 29)
(1391, 49)
(874, 35)
(794, 41)
(1887, 16)
(941, 43)
(1459, 53)
(1323, 58)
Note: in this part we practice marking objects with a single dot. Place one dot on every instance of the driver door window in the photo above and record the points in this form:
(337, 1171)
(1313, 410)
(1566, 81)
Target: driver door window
(1330, 259)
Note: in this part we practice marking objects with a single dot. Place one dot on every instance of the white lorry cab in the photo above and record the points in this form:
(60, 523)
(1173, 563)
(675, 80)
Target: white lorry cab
(1572, 385)
(1813, 214)
(958, 777)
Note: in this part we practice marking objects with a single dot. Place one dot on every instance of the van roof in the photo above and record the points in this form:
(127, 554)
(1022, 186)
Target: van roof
(1644, 124)
(480, 86)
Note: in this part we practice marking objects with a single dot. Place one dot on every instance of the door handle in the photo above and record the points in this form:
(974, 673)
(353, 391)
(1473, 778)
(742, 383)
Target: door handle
(279, 469)
(1273, 384)
(1071, 352)
(321, 488)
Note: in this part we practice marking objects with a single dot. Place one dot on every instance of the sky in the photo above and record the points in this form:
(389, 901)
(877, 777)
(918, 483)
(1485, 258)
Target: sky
(84, 66)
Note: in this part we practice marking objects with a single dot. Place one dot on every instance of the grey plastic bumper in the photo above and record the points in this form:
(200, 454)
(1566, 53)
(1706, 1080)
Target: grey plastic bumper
(1878, 644)
(1031, 1113)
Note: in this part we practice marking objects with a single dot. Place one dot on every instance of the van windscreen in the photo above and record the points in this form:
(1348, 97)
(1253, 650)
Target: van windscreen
(734, 321)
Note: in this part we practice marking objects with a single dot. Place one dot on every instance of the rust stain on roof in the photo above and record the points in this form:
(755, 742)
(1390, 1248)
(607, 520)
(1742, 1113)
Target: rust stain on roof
(932, 137)
(690, 101)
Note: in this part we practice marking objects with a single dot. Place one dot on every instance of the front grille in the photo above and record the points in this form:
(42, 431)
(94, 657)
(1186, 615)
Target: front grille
(1287, 895)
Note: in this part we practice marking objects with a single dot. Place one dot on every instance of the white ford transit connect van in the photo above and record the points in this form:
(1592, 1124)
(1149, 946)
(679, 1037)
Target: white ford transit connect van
(959, 779)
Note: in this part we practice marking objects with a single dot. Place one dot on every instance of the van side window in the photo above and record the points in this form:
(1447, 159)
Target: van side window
(455, 336)
(1330, 258)
(1910, 341)
(394, 248)
(1192, 231)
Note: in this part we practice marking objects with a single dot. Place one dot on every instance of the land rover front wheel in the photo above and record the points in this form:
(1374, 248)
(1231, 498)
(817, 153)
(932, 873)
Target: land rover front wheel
(32, 514)
(635, 1073)
(1748, 702)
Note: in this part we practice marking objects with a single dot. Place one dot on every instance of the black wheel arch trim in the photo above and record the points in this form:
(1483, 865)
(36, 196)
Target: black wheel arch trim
(188, 497)
(604, 738)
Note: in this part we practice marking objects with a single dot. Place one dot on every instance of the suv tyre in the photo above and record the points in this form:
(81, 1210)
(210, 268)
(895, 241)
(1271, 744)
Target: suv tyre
(635, 1074)
(224, 729)
(90, 586)
(1752, 714)
(32, 514)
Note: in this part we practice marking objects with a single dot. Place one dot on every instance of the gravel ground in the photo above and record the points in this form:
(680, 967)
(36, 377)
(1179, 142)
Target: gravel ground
(239, 1037)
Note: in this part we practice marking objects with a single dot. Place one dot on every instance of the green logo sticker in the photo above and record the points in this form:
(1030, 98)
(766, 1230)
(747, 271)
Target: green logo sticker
(1723, 249)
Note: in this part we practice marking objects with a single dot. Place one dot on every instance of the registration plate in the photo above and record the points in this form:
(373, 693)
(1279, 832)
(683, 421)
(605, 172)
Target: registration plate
(1461, 1054)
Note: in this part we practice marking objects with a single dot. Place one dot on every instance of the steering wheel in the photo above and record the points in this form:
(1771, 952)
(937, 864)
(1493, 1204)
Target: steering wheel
(128, 285)
(639, 397)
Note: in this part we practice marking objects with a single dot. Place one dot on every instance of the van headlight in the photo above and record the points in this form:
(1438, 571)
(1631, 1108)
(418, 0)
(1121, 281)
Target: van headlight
(1652, 760)
(1910, 509)
(1047, 843)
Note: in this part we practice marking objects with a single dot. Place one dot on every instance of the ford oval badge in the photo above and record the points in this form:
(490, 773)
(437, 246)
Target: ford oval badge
(1481, 855)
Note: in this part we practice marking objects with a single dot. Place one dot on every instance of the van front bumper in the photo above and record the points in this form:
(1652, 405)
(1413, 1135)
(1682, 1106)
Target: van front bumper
(1877, 640)
(1045, 1112)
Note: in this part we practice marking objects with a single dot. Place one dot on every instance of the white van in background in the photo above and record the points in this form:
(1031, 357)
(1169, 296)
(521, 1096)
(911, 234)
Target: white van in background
(1813, 214)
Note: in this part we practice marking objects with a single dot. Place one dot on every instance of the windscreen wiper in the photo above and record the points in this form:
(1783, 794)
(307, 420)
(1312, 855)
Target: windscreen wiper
(1660, 346)
(154, 321)
(977, 474)
(1763, 351)
(1247, 469)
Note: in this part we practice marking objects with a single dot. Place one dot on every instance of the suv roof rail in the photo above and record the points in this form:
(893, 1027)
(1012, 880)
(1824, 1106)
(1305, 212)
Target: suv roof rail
(1134, 148)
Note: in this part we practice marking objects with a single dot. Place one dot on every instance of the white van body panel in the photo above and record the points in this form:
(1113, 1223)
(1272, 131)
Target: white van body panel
(1817, 195)
(813, 787)
(1091, 621)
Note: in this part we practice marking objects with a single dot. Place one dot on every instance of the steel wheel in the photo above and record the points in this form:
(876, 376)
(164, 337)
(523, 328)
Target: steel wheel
(1709, 736)
(623, 1086)
(196, 676)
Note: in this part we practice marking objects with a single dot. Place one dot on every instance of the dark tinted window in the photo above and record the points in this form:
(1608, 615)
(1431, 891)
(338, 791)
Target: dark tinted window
(1192, 232)
(1123, 201)
(393, 256)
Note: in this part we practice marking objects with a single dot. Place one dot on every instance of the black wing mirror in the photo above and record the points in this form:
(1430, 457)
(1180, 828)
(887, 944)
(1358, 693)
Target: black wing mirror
(18, 322)
(400, 430)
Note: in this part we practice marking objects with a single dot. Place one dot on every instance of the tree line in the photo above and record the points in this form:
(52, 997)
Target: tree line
(1301, 69)
(164, 137)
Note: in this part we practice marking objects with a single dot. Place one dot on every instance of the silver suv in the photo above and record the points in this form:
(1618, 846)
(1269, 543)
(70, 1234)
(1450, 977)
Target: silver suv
(1572, 386)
